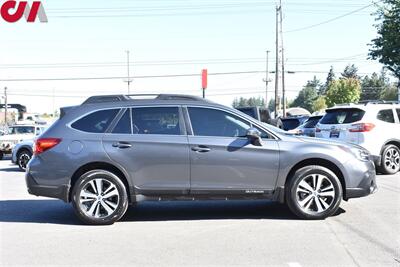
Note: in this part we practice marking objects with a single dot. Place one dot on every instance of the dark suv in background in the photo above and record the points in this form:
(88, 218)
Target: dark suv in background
(112, 151)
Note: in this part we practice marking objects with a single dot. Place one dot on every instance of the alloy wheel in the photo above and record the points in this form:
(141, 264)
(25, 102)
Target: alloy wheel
(23, 160)
(392, 159)
(99, 198)
(315, 193)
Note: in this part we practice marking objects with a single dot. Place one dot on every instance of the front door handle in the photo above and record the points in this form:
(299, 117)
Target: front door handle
(201, 149)
(122, 145)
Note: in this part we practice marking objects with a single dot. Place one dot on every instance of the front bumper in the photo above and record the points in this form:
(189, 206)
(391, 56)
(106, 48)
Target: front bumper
(60, 192)
(367, 186)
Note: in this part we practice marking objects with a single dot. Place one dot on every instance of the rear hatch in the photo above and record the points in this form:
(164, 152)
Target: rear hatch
(340, 124)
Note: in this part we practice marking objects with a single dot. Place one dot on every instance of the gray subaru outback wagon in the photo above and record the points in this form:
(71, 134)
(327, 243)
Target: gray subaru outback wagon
(116, 150)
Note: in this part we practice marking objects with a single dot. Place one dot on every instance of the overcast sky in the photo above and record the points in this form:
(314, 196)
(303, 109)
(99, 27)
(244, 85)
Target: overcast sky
(89, 39)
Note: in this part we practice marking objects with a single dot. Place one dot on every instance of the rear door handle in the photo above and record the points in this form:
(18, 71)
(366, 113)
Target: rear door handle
(201, 149)
(122, 145)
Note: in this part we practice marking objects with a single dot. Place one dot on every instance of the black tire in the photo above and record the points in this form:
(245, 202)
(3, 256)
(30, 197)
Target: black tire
(23, 157)
(83, 185)
(294, 197)
(1, 155)
(389, 160)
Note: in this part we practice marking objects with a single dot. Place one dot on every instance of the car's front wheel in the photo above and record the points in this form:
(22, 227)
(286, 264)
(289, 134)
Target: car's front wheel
(23, 157)
(313, 192)
(99, 197)
(390, 163)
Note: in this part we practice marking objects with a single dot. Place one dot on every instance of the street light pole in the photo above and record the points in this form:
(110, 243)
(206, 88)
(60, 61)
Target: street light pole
(129, 78)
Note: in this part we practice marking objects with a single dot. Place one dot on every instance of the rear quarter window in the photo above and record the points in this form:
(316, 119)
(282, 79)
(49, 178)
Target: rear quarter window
(96, 122)
(386, 115)
(342, 116)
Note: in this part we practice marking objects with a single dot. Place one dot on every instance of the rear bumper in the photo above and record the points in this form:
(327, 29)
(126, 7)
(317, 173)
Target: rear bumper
(60, 192)
(366, 187)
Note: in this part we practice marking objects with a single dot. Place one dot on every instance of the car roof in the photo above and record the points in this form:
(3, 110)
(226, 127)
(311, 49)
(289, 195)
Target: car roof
(367, 106)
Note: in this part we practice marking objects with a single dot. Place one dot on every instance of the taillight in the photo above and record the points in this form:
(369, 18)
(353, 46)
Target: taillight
(43, 144)
(361, 127)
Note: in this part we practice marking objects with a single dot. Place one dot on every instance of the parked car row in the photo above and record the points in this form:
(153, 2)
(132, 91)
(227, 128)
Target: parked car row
(372, 125)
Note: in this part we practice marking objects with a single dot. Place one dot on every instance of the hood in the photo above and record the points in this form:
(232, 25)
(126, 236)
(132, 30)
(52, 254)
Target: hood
(327, 142)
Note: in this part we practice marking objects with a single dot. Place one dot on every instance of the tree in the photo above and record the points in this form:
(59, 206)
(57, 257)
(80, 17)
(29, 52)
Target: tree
(319, 104)
(331, 76)
(350, 72)
(386, 47)
(345, 90)
(271, 104)
(306, 98)
(389, 94)
(250, 102)
(372, 87)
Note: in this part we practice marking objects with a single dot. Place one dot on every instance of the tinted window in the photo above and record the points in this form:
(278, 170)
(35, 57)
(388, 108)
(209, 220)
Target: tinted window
(211, 122)
(311, 123)
(386, 115)
(290, 124)
(96, 122)
(21, 130)
(249, 111)
(340, 116)
(156, 120)
(124, 124)
(398, 113)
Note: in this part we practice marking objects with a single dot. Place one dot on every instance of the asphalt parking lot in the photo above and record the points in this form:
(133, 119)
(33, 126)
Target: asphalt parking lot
(41, 231)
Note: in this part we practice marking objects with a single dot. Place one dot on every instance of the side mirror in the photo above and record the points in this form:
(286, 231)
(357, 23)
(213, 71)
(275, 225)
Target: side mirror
(254, 136)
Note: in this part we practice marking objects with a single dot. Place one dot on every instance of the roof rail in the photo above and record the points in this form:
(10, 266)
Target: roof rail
(119, 98)
(375, 102)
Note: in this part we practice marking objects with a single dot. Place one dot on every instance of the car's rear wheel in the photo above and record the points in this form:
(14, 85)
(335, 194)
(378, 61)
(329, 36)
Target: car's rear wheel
(99, 197)
(23, 157)
(313, 192)
(390, 160)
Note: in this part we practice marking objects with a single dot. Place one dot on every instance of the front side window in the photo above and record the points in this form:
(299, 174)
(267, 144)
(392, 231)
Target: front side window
(386, 115)
(156, 120)
(212, 122)
(96, 122)
(398, 113)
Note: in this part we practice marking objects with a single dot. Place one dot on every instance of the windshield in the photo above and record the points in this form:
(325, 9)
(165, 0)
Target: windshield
(21, 130)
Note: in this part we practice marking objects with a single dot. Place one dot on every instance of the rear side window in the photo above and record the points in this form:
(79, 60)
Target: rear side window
(156, 120)
(398, 113)
(341, 116)
(386, 115)
(311, 123)
(96, 122)
(124, 124)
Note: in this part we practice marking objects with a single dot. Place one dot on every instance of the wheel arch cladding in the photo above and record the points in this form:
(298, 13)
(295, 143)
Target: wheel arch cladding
(99, 166)
(395, 142)
(319, 162)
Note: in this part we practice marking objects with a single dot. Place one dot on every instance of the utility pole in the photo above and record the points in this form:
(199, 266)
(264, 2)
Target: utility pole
(283, 66)
(266, 81)
(129, 81)
(5, 107)
(277, 62)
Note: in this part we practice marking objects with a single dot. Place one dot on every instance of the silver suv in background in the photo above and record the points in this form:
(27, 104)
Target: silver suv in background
(372, 125)
(112, 151)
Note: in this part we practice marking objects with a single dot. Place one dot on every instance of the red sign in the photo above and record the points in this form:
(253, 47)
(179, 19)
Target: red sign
(13, 11)
(204, 78)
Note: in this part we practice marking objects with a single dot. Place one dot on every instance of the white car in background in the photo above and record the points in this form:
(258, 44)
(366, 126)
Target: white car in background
(16, 134)
(373, 125)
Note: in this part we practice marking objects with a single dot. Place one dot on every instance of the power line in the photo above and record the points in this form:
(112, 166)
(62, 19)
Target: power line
(330, 20)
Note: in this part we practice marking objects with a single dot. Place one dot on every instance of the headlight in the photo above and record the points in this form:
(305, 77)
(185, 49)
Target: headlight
(359, 153)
